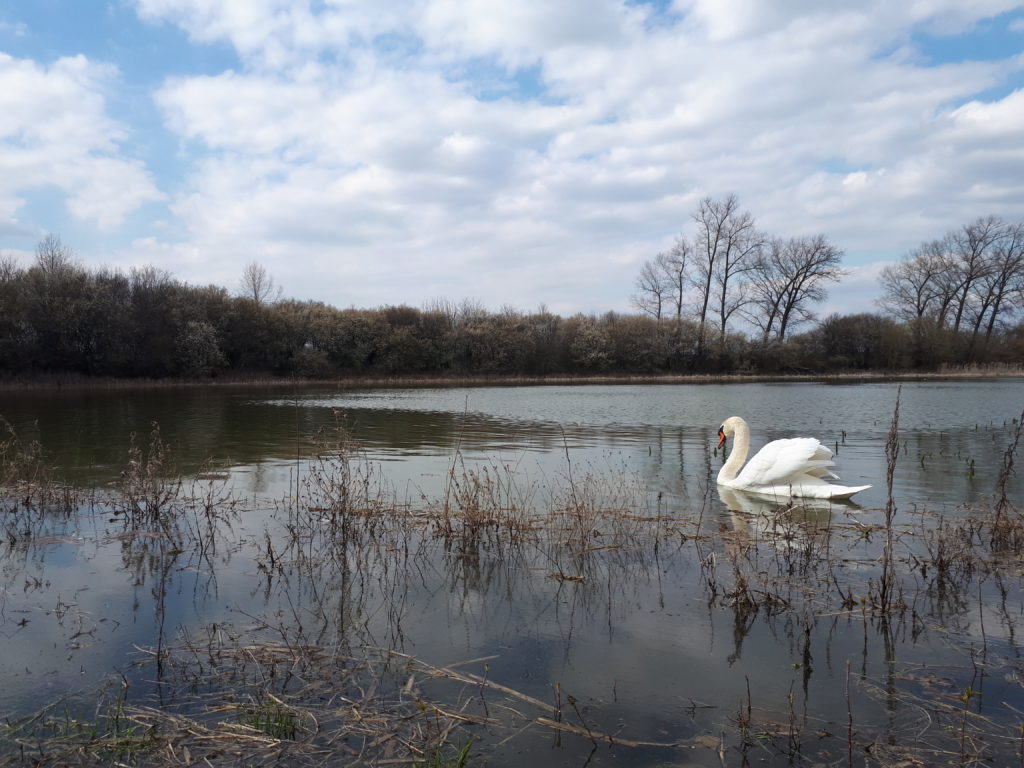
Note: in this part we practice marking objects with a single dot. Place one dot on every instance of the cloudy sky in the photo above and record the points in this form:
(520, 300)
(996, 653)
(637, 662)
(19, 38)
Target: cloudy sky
(513, 152)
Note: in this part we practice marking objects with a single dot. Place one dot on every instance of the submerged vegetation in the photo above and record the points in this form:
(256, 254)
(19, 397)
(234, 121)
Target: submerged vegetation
(326, 667)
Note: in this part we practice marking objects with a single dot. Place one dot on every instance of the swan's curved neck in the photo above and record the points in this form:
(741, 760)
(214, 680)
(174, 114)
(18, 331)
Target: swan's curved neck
(740, 447)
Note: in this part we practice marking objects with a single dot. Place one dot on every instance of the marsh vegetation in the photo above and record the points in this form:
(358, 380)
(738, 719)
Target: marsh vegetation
(581, 612)
(726, 300)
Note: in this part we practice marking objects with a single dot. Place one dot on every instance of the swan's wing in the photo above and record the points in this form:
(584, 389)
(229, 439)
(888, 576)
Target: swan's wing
(783, 461)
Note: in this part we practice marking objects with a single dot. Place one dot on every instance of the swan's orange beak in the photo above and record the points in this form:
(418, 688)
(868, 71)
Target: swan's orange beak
(721, 437)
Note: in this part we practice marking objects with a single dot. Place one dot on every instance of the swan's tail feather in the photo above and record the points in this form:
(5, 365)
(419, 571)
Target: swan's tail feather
(845, 492)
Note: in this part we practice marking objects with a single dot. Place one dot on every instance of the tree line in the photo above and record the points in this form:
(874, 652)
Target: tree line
(955, 299)
(729, 269)
(59, 317)
(957, 292)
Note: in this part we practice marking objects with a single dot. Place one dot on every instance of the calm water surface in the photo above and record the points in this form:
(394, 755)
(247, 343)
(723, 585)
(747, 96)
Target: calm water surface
(664, 432)
(638, 642)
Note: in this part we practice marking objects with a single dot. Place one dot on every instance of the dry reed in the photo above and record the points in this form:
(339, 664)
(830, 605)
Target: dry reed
(328, 683)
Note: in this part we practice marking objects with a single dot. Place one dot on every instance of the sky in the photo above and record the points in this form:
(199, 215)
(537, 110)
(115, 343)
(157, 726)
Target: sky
(510, 152)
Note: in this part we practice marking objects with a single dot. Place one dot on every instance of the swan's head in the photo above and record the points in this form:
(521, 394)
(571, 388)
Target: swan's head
(728, 429)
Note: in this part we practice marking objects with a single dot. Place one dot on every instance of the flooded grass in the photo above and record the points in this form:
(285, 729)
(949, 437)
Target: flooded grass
(323, 664)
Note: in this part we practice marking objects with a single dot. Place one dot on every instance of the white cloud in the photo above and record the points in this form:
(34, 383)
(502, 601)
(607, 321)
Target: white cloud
(282, 34)
(533, 152)
(732, 19)
(856, 293)
(524, 33)
(988, 121)
(17, 29)
(55, 133)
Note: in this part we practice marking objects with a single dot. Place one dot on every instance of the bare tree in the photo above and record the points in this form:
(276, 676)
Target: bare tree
(652, 288)
(788, 277)
(676, 265)
(471, 310)
(1003, 281)
(663, 282)
(52, 256)
(947, 279)
(725, 247)
(971, 247)
(710, 220)
(8, 268)
(443, 306)
(150, 280)
(257, 284)
(912, 288)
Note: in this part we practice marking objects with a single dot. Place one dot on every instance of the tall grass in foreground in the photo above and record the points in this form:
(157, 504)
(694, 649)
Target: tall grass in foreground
(27, 481)
(21, 463)
(888, 586)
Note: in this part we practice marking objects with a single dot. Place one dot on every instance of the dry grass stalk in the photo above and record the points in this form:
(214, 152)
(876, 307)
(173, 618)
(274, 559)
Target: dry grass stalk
(1007, 533)
(887, 589)
(27, 482)
(149, 485)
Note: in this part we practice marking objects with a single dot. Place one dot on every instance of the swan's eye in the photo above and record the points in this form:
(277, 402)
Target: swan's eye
(721, 430)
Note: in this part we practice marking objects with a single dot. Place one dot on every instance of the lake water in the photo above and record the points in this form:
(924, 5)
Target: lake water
(664, 432)
(643, 638)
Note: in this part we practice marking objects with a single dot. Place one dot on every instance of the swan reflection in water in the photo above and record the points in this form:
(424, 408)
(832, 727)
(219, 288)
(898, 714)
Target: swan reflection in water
(785, 522)
(798, 530)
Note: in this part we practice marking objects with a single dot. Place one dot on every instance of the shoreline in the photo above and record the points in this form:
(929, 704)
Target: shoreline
(85, 383)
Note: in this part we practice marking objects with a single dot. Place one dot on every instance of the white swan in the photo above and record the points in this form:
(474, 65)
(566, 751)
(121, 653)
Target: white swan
(798, 466)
